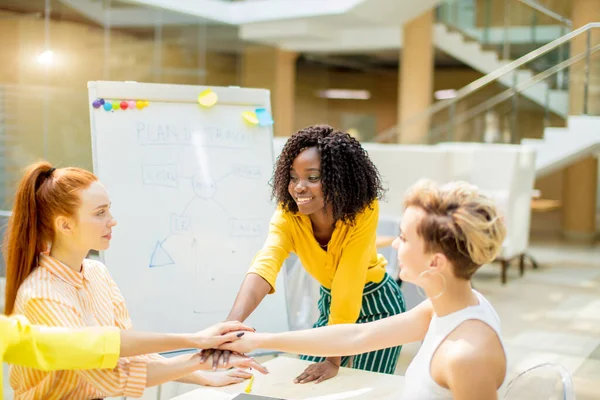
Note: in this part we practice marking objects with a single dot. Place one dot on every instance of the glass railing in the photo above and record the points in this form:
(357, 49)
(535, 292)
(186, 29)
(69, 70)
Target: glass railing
(511, 115)
(513, 103)
(512, 28)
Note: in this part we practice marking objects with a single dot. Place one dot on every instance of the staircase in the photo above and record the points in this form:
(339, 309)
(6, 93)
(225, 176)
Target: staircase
(487, 48)
(561, 147)
(558, 147)
(473, 54)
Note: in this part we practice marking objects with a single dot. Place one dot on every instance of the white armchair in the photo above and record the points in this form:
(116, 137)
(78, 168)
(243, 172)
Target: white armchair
(506, 173)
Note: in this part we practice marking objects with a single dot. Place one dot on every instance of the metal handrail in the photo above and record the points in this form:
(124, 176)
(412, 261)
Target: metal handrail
(520, 87)
(554, 15)
(489, 78)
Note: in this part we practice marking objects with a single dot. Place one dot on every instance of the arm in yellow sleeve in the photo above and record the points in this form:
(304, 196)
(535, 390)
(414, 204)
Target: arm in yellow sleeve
(48, 349)
(268, 261)
(350, 276)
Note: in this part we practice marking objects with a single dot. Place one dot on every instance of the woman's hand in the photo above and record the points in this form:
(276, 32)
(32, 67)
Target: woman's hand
(318, 372)
(242, 361)
(234, 360)
(224, 378)
(222, 354)
(244, 344)
(219, 334)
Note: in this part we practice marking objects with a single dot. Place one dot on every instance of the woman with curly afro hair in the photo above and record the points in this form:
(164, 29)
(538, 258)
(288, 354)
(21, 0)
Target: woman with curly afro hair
(328, 189)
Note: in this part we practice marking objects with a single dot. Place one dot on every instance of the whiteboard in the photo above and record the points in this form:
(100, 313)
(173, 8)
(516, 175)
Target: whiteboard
(189, 190)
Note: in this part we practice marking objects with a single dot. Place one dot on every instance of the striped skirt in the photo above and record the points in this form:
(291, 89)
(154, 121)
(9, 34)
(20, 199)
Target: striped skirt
(380, 300)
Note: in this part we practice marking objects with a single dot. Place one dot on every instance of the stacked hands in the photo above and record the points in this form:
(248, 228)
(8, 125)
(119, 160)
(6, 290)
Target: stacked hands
(235, 364)
(229, 350)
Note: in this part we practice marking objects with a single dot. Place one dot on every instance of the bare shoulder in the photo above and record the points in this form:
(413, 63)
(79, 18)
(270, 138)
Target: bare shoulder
(474, 349)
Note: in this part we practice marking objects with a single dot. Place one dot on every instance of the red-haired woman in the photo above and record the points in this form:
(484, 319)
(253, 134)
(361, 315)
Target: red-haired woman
(59, 215)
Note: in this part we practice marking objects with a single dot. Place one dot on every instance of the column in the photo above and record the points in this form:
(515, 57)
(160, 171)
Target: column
(581, 178)
(273, 69)
(415, 86)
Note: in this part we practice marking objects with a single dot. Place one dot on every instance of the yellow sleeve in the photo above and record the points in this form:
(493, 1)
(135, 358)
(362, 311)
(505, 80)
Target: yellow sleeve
(351, 274)
(129, 376)
(47, 349)
(268, 261)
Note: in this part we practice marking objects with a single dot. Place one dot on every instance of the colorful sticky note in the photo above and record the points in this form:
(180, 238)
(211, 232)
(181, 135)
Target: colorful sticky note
(207, 98)
(264, 117)
(250, 117)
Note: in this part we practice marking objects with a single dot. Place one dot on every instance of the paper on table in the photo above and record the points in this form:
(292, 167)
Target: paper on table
(344, 395)
(207, 393)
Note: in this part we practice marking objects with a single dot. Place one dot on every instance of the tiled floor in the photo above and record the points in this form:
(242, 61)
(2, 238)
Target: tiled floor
(550, 315)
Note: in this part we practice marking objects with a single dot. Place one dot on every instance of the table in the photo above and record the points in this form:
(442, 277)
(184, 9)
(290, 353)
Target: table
(279, 383)
(545, 205)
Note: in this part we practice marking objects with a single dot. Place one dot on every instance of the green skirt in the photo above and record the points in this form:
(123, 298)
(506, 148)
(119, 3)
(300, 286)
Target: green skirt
(380, 300)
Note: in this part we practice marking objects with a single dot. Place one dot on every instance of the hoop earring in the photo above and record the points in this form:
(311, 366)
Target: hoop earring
(421, 291)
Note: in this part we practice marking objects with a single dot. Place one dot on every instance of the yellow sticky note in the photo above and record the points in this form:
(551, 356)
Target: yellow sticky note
(207, 98)
(251, 117)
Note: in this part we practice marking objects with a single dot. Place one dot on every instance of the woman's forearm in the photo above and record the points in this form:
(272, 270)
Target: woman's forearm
(135, 343)
(174, 368)
(349, 339)
(195, 378)
(328, 341)
(252, 292)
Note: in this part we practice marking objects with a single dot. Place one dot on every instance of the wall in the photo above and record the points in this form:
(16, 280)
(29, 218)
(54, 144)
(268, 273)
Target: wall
(45, 108)
(382, 84)
(520, 14)
(548, 225)
(80, 57)
(311, 109)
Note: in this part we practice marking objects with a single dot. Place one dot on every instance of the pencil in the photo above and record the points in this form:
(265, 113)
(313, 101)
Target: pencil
(249, 387)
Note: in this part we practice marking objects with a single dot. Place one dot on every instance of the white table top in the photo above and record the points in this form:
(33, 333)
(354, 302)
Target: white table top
(279, 383)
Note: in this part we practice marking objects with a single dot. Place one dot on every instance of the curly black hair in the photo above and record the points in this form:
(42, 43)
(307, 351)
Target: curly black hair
(349, 178)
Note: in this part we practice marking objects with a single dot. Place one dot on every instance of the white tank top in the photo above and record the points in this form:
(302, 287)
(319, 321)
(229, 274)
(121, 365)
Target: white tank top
(418, 383)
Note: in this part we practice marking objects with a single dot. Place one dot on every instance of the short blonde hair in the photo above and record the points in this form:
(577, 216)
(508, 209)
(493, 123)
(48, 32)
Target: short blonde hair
(460, 222)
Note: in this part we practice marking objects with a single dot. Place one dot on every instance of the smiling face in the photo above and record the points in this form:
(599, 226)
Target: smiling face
(305, 185)
(92, 228)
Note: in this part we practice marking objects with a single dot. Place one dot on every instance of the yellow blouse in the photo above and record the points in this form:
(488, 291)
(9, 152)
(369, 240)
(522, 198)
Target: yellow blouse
(49, 349)
(350, 261)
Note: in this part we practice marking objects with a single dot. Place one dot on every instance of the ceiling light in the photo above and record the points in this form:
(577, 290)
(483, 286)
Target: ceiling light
(444, 94)
(344, 94)
(46, 57)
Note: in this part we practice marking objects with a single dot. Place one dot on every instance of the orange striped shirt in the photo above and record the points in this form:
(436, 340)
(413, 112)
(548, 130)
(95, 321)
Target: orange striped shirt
(55, 295)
